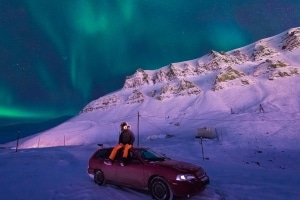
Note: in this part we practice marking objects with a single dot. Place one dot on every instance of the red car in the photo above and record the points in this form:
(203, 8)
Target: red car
(149, 170)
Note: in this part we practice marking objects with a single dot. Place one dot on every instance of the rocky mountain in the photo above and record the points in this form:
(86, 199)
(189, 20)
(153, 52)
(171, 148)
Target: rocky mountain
(269, 58)
(250, 89)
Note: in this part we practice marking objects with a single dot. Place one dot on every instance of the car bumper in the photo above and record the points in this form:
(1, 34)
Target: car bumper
(188, 188)
(90, 173)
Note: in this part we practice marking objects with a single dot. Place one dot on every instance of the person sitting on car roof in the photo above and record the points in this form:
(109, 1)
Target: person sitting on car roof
(126, 140)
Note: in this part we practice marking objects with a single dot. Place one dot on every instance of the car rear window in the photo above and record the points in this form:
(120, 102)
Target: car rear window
(102, 153)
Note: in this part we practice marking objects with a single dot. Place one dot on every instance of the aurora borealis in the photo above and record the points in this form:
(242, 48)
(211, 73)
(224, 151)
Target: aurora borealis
(58, 55)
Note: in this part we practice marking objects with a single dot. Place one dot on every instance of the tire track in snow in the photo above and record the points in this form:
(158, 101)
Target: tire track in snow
(91, 191)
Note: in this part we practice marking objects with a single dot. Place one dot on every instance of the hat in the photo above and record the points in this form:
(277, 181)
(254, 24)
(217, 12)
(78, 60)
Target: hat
(125, 125)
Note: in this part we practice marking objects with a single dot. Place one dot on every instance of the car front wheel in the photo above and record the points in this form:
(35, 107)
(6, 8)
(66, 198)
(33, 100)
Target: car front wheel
(99, 177)
(160, 189)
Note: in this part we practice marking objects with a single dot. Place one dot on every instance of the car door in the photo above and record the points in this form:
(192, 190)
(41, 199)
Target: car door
(110, 171)
(132, 174)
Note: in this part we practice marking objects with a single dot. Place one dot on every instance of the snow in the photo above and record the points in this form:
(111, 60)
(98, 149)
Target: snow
(240, 167)
(255, 154)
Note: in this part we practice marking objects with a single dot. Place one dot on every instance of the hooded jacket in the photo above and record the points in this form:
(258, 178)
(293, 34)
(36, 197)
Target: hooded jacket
(126, 137)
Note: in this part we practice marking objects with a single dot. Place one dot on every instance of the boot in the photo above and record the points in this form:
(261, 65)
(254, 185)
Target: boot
(123, 162)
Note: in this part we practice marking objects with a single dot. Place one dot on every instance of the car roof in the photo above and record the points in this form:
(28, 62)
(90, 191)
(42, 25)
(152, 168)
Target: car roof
(134, 148)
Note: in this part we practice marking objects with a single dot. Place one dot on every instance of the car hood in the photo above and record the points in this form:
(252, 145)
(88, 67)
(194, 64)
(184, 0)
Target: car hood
(180, 166)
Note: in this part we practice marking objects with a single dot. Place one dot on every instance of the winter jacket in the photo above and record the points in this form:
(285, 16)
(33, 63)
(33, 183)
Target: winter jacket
(126, 137)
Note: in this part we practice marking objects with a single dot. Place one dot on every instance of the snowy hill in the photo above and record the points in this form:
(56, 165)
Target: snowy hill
(249, 96)
(184, 96)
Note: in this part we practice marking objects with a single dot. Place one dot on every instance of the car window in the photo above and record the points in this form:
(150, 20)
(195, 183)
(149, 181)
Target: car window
(102, 154)
(132, 158)
(150, 155)
(119, 154)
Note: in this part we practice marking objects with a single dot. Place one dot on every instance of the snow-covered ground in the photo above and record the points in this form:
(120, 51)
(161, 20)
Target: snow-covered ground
(250, 97)
(260, 166)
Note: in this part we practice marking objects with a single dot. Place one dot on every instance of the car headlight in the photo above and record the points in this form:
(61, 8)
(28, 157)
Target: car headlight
(185, 177)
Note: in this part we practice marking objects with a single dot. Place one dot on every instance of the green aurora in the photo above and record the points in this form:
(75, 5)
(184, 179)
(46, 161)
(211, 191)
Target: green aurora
(58, 55)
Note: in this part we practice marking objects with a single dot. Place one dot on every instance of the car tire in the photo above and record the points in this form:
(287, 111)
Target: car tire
(99, 177)
(160, 189)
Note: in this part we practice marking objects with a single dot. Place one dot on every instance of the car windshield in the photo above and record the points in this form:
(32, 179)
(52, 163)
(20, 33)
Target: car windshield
(151, 155)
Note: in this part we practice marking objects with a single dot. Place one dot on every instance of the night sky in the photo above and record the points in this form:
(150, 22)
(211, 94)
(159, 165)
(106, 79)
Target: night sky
(58, 55)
